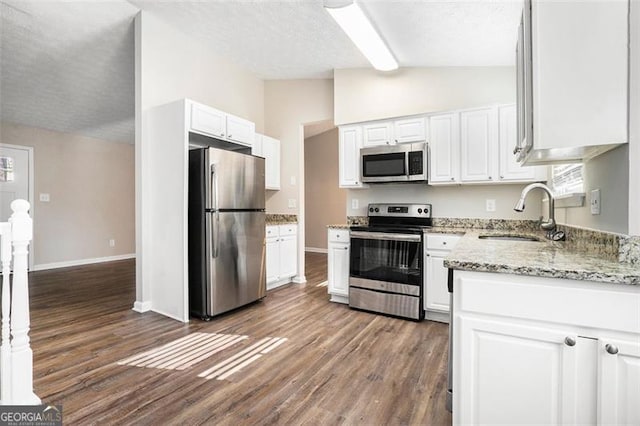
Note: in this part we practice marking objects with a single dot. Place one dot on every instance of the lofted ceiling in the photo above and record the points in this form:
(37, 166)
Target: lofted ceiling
(69, 65)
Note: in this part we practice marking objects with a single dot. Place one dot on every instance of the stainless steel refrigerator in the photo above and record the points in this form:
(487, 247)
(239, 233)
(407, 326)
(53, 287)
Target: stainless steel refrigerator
(226, 231)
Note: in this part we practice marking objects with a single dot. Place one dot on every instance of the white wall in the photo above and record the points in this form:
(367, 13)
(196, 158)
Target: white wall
(608, 172)
(634, 125)
(366, 94)
(90, 183)
(170, 66)
(451, 201)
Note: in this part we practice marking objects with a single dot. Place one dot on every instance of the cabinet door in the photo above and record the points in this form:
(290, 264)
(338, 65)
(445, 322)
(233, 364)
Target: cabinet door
(288, 256)
(208, 121)
(444, 145)
(436, 291)
(409, 130)
(338, 269)
(271, 153)
(273, 259)
(240, 130)
(507, 373)
(349, 158)
(478, 142)
(377, 134)
(619, 391)
(256, 147)
(510, 169)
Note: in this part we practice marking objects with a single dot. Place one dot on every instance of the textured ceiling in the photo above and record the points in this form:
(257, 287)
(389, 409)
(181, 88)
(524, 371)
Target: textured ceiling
(69, 65)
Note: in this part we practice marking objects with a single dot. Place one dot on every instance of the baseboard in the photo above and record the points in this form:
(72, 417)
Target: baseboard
(141, 306)
(56, 265)
(316, 250)
(299, 279)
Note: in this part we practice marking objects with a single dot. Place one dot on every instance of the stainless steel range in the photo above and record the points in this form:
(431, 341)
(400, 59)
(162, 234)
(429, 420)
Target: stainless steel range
(386, 265)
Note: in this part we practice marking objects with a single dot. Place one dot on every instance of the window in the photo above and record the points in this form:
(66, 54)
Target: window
(567, 179)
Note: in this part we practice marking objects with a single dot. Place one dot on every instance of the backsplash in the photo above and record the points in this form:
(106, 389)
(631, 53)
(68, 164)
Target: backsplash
(629, 250)
(598, 243)
(492, 224)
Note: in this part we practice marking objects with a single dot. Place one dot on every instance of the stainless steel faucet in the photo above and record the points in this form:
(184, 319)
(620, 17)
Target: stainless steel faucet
(548, 225)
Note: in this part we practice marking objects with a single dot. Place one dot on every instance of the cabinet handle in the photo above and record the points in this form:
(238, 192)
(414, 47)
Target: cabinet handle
(453, 178)
(229, 135)
(221, 134)
(346, 248)
(569, 341)
(396, 140)
(444, 243)
(490, 178)
(612, 349)
(501, 177)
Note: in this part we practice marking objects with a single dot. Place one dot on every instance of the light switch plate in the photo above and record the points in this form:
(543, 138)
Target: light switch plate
(292, 203)
(293, 180)
(596, 205)
(355, 204)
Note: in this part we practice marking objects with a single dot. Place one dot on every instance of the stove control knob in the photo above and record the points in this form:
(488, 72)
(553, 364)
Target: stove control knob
(371, 209)
(426, 211)
(377, 210)
(419, 210)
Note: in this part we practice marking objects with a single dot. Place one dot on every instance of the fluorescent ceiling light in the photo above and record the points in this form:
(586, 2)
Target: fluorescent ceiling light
(354, 22)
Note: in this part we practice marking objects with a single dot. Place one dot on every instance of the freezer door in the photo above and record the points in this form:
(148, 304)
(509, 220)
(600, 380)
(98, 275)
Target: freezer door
(237, 180)
(237, 260)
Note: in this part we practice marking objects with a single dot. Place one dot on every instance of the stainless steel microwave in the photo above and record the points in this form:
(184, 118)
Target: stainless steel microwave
(395, 163)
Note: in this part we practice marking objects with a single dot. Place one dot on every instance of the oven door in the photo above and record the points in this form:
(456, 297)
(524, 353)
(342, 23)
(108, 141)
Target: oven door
(386, 273)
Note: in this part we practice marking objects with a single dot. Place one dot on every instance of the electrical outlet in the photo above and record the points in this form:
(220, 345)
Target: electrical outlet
(292, 203)
(112, 243)
(45, 198)
(355, 204)
(596, 205)
(293, 181)
(491, 205)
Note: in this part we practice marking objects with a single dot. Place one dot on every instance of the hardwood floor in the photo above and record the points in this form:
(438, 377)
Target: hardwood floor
(337, 366)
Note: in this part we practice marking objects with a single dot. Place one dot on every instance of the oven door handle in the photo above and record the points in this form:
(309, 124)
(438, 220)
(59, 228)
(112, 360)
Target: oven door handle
(385, 236)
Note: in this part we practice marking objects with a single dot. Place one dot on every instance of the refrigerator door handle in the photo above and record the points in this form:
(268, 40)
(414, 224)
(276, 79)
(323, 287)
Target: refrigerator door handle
(216, 225)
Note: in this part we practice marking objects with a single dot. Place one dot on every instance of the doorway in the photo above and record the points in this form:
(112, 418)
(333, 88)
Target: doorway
(16, 181)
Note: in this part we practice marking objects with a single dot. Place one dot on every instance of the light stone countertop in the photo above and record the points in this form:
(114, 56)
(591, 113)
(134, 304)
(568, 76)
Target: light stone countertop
(542, 258)
(538, 259)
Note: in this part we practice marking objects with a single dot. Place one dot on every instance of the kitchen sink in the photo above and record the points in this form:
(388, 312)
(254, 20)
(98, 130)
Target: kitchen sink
(508, 237)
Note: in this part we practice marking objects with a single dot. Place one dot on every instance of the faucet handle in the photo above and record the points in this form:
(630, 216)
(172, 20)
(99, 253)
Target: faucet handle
(539, 221)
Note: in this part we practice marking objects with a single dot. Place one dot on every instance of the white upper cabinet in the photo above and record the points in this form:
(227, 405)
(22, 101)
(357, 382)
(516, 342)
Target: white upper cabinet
(350, 143)
(218, 124)
(409, 130)
(444, 147)
(478, 137)
(577, 78)
(208, 121)
(268, 148)
(376, 134)
(509, 168)
(392, 132)
(240, 130)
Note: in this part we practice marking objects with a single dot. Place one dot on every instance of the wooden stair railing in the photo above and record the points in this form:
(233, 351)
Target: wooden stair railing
(16, 357)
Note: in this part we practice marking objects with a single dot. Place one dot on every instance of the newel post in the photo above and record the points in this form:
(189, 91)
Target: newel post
(5, 349)
(21, 354)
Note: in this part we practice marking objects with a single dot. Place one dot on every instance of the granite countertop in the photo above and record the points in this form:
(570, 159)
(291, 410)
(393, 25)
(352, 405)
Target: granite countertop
(339, 226)
(536, 258)
(281, 219)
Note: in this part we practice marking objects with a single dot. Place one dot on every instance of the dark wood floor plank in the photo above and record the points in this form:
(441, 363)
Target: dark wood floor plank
(338, 366)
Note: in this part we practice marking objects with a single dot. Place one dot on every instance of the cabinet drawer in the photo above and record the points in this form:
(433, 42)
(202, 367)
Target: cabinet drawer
(272, 231)
(290, 229)
(338, 235)
(442, 241)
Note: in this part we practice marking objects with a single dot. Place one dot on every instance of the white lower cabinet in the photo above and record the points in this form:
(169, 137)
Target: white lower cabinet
(338, 265)
(435, 288)
(544, 351)
(281, 254)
